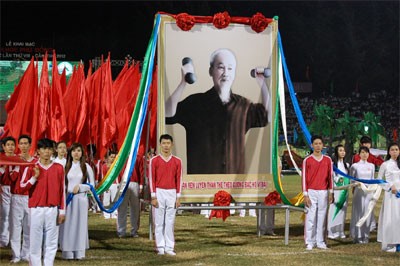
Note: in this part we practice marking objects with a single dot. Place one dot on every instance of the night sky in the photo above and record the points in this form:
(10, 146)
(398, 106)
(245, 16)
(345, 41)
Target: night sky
(343, 43)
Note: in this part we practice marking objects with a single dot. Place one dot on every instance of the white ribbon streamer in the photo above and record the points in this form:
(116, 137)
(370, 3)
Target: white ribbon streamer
(376, 189)
(281, 88)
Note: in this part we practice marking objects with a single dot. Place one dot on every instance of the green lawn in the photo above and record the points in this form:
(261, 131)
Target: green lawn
(200, 241)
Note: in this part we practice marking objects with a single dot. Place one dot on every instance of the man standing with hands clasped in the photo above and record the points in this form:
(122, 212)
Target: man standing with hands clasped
(45, 183)
(165, 187)
(317, 183)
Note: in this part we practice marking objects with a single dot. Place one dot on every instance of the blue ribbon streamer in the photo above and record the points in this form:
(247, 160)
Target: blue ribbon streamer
(300, 117)
(138, 132)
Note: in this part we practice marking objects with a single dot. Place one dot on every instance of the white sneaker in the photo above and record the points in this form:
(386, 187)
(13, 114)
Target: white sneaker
(393, 249)
(170, 252)
(322, 246)
(161, 252)
(309, 247)
(16, 260)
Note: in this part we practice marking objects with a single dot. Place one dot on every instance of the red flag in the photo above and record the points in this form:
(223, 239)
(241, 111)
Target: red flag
(84, 137)
(63, 81)
(70, 100)
(81, 114)
(35, 127)
(58, 125)
(107, 125)
(152, 112)
(44, 97)
(120, 78)
(93, 93)
(21, 103)
(125, 99)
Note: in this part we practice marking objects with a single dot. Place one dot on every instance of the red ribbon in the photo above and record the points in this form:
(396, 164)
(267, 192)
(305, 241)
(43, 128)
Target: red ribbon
(13, 160)
(220, 20)
(221, 198)
(272, 199)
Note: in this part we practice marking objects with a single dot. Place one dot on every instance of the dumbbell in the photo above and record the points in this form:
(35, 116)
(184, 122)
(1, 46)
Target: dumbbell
(260, 70)
(189, 76)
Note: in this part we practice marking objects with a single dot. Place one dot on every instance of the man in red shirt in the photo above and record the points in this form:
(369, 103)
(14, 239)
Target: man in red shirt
(316, 181)
(366, 141)
(45, 183)
(165, 187)
(131, 199)
(19, 214)
(6, 171)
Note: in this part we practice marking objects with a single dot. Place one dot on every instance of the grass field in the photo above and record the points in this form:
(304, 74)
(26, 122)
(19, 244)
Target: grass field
(200, 241)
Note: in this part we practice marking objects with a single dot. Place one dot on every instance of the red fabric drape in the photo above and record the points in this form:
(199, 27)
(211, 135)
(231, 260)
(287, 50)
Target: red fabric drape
(58, 126)
(107, 125)
(44, 97)
(20, 106)
(125, 100)
(81, 115)
(84, 136)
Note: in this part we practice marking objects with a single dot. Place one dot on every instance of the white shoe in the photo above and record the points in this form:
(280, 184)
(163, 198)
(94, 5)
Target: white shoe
(393, 249)
(170, 252)
(309, 247)
(322, 246)
(161, 252)
(16, 260)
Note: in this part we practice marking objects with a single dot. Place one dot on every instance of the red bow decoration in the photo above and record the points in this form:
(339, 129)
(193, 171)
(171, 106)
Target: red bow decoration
(258, 22)
(221, 198)
(221, 20)
(272, 198)
(185, 21)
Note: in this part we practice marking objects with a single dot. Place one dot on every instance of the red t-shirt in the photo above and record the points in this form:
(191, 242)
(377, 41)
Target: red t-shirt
(49, 188)
(165, 174)
(317, 174)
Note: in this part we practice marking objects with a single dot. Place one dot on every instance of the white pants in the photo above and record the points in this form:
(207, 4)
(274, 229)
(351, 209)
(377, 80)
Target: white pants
(44, 233)
(267, 221)
(132, 200)
(315, 228)
(252, 212)
(19, 223)
(206, 213)
(108, 200)
(164, 219)
(5, 201)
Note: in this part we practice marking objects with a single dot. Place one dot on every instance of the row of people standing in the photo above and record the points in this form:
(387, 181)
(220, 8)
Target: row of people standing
(318, 184)
(37, 199)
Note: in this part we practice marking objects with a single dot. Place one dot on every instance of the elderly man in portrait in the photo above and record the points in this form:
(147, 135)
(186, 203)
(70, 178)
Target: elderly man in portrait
(217, 120)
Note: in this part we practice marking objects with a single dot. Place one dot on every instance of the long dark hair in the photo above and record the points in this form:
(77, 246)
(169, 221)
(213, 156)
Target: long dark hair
(82, 161)
(335, 158)
(388, 155)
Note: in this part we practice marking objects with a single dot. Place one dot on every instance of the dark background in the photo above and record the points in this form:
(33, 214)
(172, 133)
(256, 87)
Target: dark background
(343, 43)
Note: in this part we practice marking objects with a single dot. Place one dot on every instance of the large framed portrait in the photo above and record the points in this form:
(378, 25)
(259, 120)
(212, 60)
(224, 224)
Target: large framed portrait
(221, 117)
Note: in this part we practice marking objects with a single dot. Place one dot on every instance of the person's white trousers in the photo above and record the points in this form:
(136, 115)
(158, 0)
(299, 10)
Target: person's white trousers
(132, 200)
(314, 230)
(5, 201)
(164, 219)
(43, 234)
(19, 223)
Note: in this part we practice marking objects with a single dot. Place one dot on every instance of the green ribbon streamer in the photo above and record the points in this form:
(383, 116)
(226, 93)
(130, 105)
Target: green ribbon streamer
(124, 151)
(275, 173)
(342, 197)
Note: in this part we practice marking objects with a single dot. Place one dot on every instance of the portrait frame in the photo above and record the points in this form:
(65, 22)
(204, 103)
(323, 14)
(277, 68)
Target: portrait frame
(252, 50)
